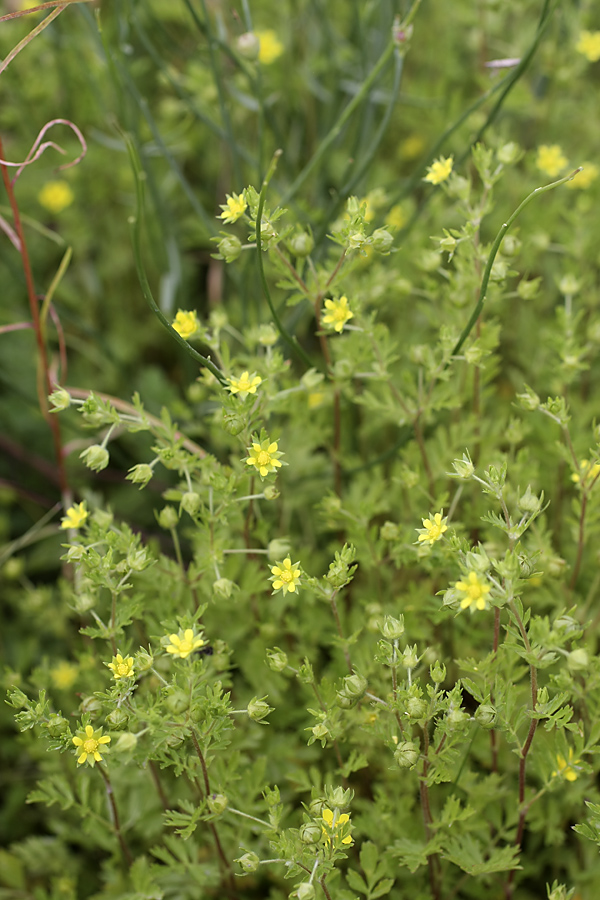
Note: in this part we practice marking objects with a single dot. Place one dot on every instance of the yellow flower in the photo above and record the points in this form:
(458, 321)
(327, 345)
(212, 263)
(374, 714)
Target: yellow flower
(64, 675)
(185, 324)
(56, 196)
(264, 457)
(439, 170)
(233, 209)
(339, 313)
(433, 529)
(184, 643)
(550, 159)
(75, 516)
(589, 45)
(88, 743)
(332, 823)
(245, 384)
(397, 216)
(566, 768)
(315, 399)
(121, 668)
(587, 472)
(411, 147)
(285, 576)
(271, 47)
(589, 173)
(474, 591)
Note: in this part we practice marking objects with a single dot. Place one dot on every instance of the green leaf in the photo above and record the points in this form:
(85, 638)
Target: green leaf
(467, 854)
(369, 857)
(356, 882)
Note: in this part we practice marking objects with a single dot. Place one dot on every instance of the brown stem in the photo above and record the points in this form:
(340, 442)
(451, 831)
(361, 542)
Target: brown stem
(115, 815)
(45, 388)
(493, 735)
(158, 784)
(432, 859)
(325, 891)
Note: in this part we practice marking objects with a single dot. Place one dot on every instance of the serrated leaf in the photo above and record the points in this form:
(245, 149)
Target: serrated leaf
(383, 888)
(356, 882)
(467, 854)
(369, 857)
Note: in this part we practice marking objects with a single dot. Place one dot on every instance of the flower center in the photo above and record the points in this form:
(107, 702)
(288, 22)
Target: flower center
(263, 458)
(185, 646)
(244, 384)
(91, 745)
(122, 669)
(474, 591)
(286, 576)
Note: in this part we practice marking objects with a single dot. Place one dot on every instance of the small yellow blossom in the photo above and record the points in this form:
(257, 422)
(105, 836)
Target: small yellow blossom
(551, 160)
(439, 170)
(185, 323)
(332, 823)
(184, 643)
(64, 675)
(121, 668)
(339, 313)
(88, 743)
(589, 45)
(433, 529)
(315, 399)
(234, 209)
(397, 216)
(474, 591)
(75, 516)
(56, 196)
(411, 147)
(566, 768)
(264, 457)
(285, 576)
(271, 47)
(589, 173)
(587, 472)
(245, 384)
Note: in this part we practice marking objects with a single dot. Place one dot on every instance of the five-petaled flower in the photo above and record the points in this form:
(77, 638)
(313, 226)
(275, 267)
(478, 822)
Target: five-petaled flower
(339, 313)
(433, 528)
(185, 323)
(587, 472)
(439, 170)
(184, 643)
(234, 209)
(56, 196)
(270, 47)
(264, 457)
(550, 159)
(589, 45)
(333, 822)
(567, 768)
(121, 668)
(286, 576)
(75, 516)
(474, 591)
(245, 384)
(88, 743)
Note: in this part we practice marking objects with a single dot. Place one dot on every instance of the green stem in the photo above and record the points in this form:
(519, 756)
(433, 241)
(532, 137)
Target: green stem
(494, 252)
(136, 224)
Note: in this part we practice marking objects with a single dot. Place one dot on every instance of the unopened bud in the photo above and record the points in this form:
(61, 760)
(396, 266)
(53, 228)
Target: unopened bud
(301, 244)
(126, 742)
(277, 659)
(258, 709)
(310, 833)
(406, 754)
(392, 628)
(230, 248)
(248, 45)
(60, 399)
(223, 588)
(190, 502)
(485, 715)
(578, 659)
(167, 518)
(95, 457)
(304, 891)
(217, 803)
(117, 718)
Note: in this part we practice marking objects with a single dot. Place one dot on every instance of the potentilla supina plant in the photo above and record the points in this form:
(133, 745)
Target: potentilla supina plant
(121, 667)
(551, 160)
(474, 591)
(246, 384)
(285, 576)
(233, 209)
(265, 457)
(338, 313)
(75, 516)
(89, 742)
(439, 170)
(185, 323)
(181, 645)
(333, 826)
(589, 45)
(433, 528)
(566, 768)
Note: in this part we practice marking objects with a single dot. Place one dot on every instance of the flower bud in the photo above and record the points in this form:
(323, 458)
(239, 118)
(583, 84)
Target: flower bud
(356, 240)
(91, 705)
(410, 658)
(437, 672)
(406, 754)
(527, 290)
(344, 701)
(355, 686)
(267, 335)
(248, 46)
(320, 731)
(301, 244)
(60, 399)
(217, 803)
(233, 423)
(310, 832)
(223, 588)
(578, 659)
(230, 248)
(464, 468)
(75, 553)
(338, 798)
(392, 628)
(278, 549)
(456, 717)
(117, 718)
(57, 725)
(126, 742)
(178, 702)
(382, 240)
(304, 891)
(143, 661)
(271, 492)
(140, 474)
(190, 502)
(167, 518)
(249, 862)
(485, 715)
(508, 153)
(277, 659)
(95, 457)
(389, 531)
(258, 709)
(416, 708)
